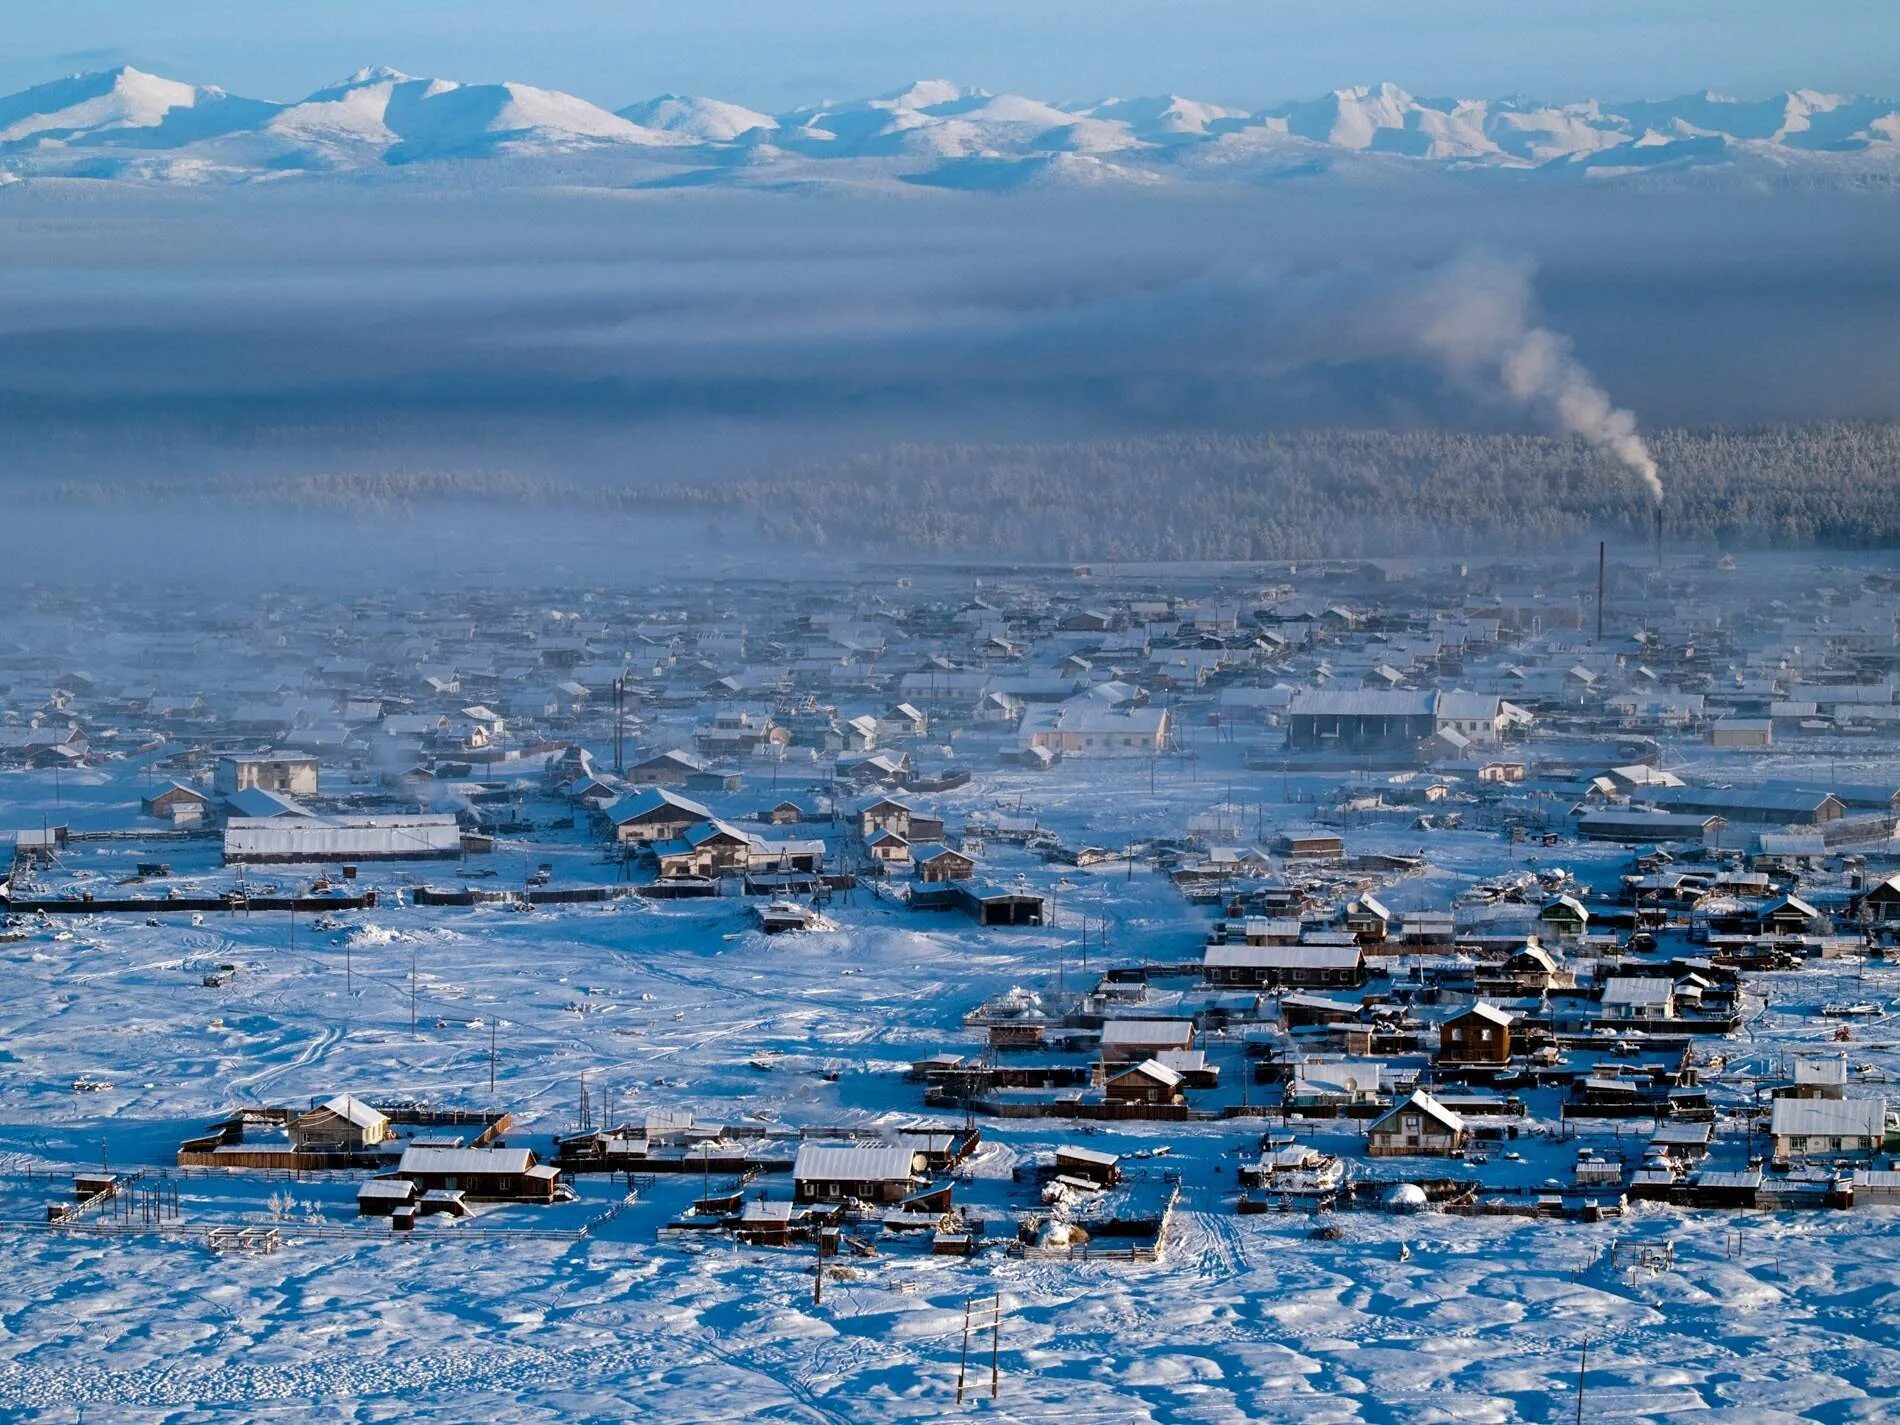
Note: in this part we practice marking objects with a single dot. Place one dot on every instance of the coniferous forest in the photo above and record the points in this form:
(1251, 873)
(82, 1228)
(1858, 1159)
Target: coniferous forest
(1291, 495)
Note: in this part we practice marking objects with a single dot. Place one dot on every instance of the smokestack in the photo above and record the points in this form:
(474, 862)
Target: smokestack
(1600, 547)
(1659, 537)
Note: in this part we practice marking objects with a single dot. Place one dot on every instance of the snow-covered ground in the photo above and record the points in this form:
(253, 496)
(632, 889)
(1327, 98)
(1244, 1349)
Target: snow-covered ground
(520, 1315)
(1462, 1319)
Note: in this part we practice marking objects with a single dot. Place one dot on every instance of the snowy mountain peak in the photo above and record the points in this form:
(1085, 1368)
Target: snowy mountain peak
(82, 105)
(931, 94)
(371, 74)
(711, 120)
(127, 124)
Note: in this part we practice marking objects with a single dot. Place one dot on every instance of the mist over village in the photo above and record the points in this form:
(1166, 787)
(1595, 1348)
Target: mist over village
(838, 712)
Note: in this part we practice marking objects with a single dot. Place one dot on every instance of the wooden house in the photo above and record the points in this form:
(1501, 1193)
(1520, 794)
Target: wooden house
(384, 1197)
(1320, 1086)
(1479, 1035)
(903, 720)
(876, 1172)
(1817, 1076)
(655, 815)
(1879, 906)
(1124, 1040)
(900, 818)
(175, 802)
(1564, 918)
(344, 1124)
(1828, 1128)
(1367, 919)
(1149, 1082)
(1305, 966)
(1418, 1127)
(667, 769)
(495, 1174)
(937, 863)
(707, 848)
(1311, 846)
(288, 776)
(1638, 998)
(888, 848)
(1788, 916)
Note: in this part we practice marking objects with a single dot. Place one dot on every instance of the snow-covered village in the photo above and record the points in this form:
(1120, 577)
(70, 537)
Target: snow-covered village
(1080, 712)
(1455, 985)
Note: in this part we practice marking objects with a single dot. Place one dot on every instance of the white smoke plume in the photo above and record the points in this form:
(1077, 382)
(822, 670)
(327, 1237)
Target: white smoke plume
(1474, 316)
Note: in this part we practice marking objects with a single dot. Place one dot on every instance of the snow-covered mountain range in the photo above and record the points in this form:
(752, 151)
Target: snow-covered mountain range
(131, 126)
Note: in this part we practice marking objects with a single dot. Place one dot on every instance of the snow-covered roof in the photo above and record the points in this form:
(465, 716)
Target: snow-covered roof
(1140, 1032)
(1829, 1117)
(1284, 957)
(353, 1110)
(855, 1163)
(391, 1189)
(457, 1162)
(1637, 989)
(1490, 1013)
(652, 799)
(1422, 1102)
(1153, 1069)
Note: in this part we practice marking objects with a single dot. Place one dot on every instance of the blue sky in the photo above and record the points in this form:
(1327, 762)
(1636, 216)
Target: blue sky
(775, 53)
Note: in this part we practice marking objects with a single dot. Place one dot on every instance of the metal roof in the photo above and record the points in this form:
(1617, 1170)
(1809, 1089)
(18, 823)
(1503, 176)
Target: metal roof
(1362, 702)
(353, 1110)
(856, 1163)
(460, 1162)
(1153, 1069)
(363, 838)
(653, 799)
(1422, 1102)
(1489, 1012)
(1637, 989)
(1720, 799)
(1283, 957)
(399, 1188)
(1148, 1031)
(1829, 1117)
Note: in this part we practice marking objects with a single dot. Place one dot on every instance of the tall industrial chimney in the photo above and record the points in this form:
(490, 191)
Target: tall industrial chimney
(1600, 547)
(1659, 538)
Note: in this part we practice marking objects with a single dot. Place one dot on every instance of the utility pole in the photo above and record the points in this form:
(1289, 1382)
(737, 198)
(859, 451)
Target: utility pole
(412, 994)
(1583, 1364)
(996, 1344)
(964, 1362)
(620, 708)
(491, 1058)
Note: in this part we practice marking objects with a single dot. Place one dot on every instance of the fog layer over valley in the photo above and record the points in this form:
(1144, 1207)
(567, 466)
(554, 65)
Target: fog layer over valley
(705, 352)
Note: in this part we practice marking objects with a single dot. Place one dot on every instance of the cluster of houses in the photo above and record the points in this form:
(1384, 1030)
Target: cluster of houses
(419, 1163)
(336, 712)
(797, 739)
